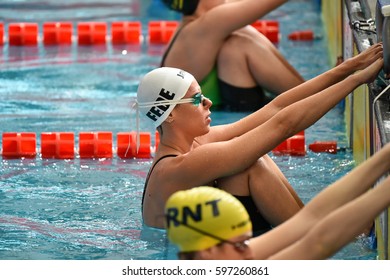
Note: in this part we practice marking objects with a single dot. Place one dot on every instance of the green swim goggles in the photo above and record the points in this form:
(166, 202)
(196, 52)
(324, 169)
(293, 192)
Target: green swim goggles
(197, 99)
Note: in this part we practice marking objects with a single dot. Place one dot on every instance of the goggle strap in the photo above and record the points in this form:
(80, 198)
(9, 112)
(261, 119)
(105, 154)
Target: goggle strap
(138, 136)
(137, 128)
(201, 231)
(164, 102)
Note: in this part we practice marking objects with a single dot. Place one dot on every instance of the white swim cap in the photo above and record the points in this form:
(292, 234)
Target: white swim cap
(160, 91)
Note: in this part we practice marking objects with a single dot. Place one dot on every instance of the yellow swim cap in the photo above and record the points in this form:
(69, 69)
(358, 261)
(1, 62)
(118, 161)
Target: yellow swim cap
(199, 218)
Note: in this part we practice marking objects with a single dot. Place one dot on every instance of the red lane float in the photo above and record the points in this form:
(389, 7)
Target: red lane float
(293, 146)
(122, 32)
(19, 145)
(1, 33)
(324, 147)
(91, 33)
(269, 28)
(61, 145)
(23, 34)
(58, 145)
(302, 35)
(126, 32)
(127, 145)
(57, 33)
(157, 139)
(95, 144)
(160, 32)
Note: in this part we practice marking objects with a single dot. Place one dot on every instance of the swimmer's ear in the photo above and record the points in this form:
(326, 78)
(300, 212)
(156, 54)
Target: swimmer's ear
(169, 119)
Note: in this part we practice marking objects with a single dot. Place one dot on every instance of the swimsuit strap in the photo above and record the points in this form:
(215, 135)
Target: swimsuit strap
(150, 172)
(169, 47)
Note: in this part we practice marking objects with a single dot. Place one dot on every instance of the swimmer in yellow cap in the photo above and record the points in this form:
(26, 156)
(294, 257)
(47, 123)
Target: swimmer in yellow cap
(203, 217)
(207, 223)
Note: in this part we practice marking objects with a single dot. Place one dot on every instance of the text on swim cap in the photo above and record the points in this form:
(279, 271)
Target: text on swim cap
(173, 213)
(157, 111)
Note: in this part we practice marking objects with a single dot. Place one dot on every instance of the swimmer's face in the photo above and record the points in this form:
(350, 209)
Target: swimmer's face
(237, 248)
(193, 116)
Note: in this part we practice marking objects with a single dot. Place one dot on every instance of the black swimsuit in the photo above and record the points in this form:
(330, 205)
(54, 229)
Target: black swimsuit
(150, 172)
(238, 99)
(259, 223)
(169, 47)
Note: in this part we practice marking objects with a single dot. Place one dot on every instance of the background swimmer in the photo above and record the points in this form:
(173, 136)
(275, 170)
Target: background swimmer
(247, 63)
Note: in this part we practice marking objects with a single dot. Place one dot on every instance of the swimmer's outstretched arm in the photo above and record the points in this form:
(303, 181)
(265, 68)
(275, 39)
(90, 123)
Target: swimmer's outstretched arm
(249, 147)
(213, 24)
(341, 226)
(221, 21)
(334, 217)
(300, 92)
(332, 76)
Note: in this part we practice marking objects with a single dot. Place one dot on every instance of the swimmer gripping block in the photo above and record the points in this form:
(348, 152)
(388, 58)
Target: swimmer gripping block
(210, 87)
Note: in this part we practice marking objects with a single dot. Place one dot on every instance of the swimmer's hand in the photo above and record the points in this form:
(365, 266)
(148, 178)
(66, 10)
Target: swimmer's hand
(370, 73)
(365, 58)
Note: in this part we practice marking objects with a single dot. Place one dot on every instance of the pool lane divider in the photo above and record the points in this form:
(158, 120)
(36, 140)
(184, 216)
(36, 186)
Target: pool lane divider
(61, 145)
(293, 146)
(303, 35)
(269, 28)
(1, 34)
(57, 33)
(96, 33)
(324, 146)
(23, 34)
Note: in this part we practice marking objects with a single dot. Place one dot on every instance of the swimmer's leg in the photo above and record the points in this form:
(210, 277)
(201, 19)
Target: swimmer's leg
(245, 62)
(270, 191)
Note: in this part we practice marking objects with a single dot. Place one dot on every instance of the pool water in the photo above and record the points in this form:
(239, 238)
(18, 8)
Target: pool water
(90, 209)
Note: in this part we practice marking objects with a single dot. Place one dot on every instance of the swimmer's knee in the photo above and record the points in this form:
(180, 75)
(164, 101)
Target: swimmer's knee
(233, 46)
(258, 167)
